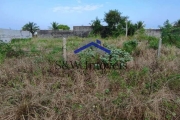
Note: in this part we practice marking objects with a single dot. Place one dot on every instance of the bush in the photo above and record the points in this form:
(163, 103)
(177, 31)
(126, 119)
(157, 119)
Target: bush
(5, 47)
(20, 40)
(170, 34)
(105, 32)
(141, 34)
(6, 50)
(130, 46)
(89, 55)
(153, 42)
(117, 56)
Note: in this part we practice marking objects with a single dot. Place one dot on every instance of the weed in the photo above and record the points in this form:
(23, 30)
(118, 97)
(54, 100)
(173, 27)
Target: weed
(56, 49)
(57, 110)
(153, 42)
(56, 86)
(170, 109)
(34, 49)
(117, 58)
(18, 40)
(130, 46)
(121, 100)
(33, 86)
(174, 82)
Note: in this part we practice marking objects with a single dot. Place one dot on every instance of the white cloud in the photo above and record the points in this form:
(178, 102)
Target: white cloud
(79, 8)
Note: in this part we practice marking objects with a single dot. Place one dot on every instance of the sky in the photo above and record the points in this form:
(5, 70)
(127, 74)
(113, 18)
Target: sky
(16, 13)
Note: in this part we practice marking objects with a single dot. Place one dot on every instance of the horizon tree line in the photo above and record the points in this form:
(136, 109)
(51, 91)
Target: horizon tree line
(116, 25)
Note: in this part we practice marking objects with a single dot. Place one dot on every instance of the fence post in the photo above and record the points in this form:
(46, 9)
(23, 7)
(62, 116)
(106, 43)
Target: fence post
(64, 48)
(159, 48)
(126, 28)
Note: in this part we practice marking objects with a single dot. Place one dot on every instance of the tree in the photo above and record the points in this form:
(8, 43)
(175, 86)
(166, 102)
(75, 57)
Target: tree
(63, 27)
(165, 32)
(139, 25)
(31, 27)
(116, 23)
(121, 28)
(105, 32)
(54, 26)
(112, 18)
(131, 28)
(170, 34)
(96, 26)
(177, 23)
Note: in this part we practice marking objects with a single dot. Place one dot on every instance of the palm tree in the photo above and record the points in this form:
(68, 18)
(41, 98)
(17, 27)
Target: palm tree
(54, 25)
(140, 24)
(31, 27)
(131, 28)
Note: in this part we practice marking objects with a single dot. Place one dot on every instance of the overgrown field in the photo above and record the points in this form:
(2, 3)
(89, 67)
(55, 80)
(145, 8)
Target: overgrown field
(34, 87)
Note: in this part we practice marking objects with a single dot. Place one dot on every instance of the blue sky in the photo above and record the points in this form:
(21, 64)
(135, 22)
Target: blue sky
(15, 13)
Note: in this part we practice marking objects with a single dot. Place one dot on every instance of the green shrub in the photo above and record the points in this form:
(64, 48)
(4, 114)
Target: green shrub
(20, 40)
(170, 34)
(6, 50)
(89, 55)
(105, 32)
(34, 50)
(5, 47)
(141, 34)
(2, 56)
(130, 46)
(153, 42)
(117, 56)
(56, 49)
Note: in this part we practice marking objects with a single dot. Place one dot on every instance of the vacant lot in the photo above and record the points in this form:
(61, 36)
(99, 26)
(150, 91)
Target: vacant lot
(32, 86)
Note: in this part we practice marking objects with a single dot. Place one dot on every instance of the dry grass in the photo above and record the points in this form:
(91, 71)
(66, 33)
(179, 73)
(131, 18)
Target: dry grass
(31, 90)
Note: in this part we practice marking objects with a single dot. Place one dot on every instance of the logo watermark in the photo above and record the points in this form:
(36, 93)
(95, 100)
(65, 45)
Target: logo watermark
(96, 44)
(92, 60)
(90, 65)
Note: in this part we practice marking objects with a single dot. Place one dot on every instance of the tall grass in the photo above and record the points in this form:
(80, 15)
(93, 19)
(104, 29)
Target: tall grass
(34, 87)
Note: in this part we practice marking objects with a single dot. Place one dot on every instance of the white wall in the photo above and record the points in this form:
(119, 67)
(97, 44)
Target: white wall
(153, 32)
(7, 35)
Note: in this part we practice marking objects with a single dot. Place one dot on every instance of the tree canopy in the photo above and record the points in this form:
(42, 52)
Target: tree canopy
(170, 33)
(63, 27)
(31, 27)
(54, 26)
(112, 18)
(96, 26)
(139, 25)
(57, 26)
(116, 25)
